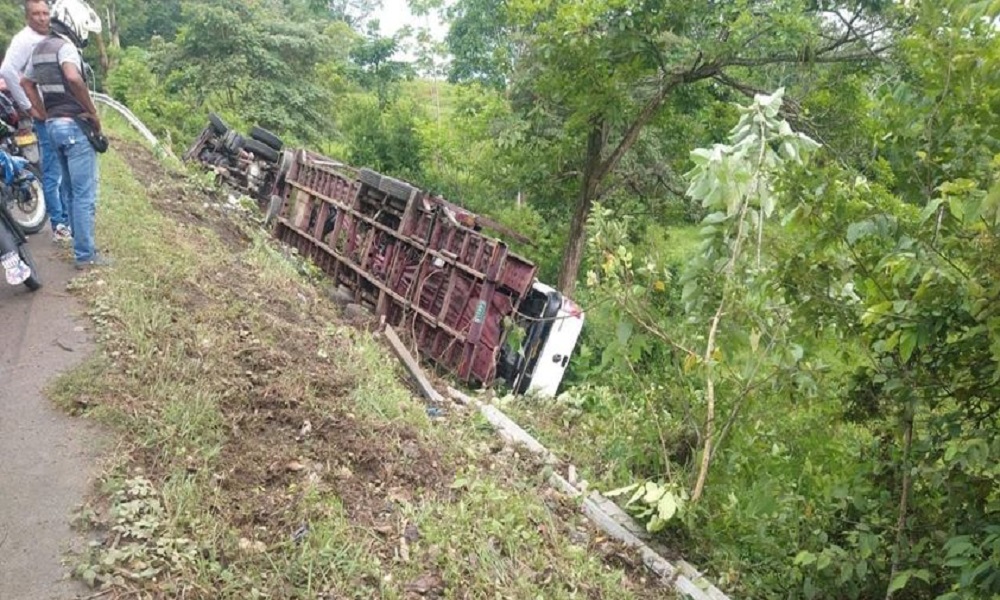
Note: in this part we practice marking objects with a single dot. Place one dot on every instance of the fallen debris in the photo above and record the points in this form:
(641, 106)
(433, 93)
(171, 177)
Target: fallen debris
(411, 364)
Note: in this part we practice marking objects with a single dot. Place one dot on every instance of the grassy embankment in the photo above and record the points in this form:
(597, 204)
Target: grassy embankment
(265, 446)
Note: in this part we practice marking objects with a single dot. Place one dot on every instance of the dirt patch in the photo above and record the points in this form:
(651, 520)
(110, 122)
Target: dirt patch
(176, 195)
(368, 467)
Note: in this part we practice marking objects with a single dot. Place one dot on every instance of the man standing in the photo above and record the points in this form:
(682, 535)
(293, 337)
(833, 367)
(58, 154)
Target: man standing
(54, 83)
(15, 62)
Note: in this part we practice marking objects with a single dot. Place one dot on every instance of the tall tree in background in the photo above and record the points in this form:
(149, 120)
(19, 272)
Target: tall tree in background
(481, 42)
(598, 74)
(378, 69)
(251, 61)
(353, 12)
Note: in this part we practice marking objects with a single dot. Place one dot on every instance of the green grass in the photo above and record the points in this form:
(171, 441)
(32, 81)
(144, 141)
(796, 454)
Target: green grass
(213, 360)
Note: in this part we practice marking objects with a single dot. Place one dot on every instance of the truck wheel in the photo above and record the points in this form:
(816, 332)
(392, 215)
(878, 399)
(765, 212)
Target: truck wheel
(218, 125)
(261, 150)
(232, 142)
(262, 135)
(396, 188)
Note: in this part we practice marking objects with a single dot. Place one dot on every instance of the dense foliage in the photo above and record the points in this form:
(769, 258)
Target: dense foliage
(793, 341)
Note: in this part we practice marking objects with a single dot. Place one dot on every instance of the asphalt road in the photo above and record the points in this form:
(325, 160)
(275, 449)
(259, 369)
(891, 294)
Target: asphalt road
(47, 459)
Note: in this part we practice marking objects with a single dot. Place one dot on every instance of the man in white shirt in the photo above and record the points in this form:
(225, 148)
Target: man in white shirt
(14, 64)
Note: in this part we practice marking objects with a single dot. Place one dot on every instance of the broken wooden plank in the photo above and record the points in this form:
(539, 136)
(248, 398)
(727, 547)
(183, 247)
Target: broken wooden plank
(411, 364)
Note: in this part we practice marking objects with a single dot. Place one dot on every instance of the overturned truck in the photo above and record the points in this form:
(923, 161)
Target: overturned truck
(424, 264)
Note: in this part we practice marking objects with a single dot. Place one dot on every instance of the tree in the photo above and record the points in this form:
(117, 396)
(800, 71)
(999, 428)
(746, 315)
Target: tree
(482, 42)
(377, 68)
(598, 74)
(135, 22)
(11, 21)
(384, 138)
(353, 12)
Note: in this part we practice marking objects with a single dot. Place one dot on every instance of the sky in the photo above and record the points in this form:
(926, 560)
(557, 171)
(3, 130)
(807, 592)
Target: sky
(395, 14)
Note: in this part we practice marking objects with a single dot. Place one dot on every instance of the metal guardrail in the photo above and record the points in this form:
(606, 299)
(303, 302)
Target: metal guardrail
(133, 120)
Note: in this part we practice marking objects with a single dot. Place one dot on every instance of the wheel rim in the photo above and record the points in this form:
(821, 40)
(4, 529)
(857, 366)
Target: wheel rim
(29, 213)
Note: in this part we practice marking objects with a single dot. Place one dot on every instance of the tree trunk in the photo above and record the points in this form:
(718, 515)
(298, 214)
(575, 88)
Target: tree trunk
(595, 171)
(904, 500)
(709, 434)
(577, 241)
(102, 53)
(116, 41)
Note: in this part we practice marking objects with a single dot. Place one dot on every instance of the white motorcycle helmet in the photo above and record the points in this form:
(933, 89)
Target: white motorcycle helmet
(76, 19)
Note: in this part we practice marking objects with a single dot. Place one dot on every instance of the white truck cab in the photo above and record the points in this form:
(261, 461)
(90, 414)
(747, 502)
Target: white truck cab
(550, 325)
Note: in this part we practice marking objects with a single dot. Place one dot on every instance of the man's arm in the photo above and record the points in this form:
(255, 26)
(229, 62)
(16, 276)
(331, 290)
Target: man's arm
(14, 63)
(31, 91)
(78, 87)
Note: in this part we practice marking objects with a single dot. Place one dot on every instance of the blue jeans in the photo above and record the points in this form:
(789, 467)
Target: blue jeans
(78, 163)
(51, 177)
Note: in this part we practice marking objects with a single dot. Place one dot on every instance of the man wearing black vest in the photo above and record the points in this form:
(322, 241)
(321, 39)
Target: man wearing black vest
(15, 61)
(54, 82)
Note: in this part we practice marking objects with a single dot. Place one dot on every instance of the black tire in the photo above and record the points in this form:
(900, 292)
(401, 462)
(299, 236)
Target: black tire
(396, 188)
(261, 150)
(218, 125)
(262, 135)
(232, 142)
(370, 178)
(34, 282)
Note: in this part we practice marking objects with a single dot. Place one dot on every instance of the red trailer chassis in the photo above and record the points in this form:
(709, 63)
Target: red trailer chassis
(417, 260)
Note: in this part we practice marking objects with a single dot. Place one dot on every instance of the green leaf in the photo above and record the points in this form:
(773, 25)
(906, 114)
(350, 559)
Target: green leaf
(961, 544)
(624, 332)
(639, 493)
(931, 209)
(767, 204)
(957, 208)
(824, 561)
(653, 493)
(797, 352)
(667, 507)
(804, 558)
(621, 491)
(655, 524)
(899, 582)
(857, 231)
(907, 343)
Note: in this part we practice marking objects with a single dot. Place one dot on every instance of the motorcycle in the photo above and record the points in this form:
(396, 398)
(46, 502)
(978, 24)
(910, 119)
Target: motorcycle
(26, 203)
(15, 258)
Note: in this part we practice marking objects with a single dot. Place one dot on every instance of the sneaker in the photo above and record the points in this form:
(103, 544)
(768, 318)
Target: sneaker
(61, 234)
(14, 268)
(98, 261)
